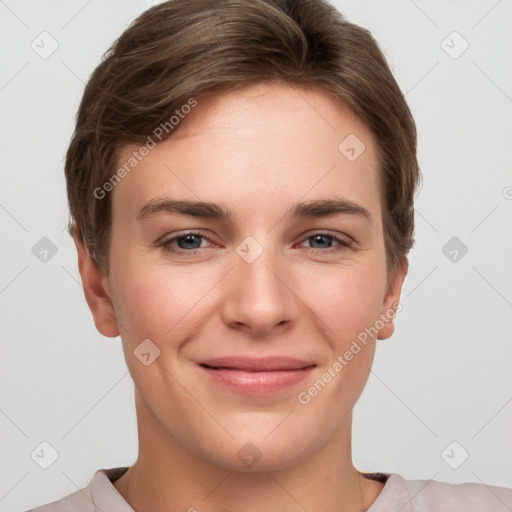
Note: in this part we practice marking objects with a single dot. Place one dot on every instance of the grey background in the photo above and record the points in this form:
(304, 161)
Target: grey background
(443, 377)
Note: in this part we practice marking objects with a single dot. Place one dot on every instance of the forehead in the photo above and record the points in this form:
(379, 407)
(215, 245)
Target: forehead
(268, 141)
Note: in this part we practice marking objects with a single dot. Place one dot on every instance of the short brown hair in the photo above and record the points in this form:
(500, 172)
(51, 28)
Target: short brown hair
(181, 49)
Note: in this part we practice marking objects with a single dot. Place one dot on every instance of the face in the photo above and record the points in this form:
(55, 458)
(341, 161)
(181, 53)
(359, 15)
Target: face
(256, 308)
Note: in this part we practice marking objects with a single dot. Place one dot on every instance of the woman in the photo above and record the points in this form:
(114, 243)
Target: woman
(241, 182)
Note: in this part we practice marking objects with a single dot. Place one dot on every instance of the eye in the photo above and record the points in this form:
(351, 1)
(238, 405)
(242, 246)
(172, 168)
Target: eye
(325, 239)
(187, 243)
(191, 243)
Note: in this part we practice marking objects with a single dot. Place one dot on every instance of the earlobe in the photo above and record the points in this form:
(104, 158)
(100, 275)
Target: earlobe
(96, 290)
(390, 305)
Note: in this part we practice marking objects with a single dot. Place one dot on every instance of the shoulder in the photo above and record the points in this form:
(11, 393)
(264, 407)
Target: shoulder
(435, 496)
(99, 495)
(76, 502)
(467, 497)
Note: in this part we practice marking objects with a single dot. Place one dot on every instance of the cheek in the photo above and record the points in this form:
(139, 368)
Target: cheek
(347, 304)
(157, 301)
(347, 300)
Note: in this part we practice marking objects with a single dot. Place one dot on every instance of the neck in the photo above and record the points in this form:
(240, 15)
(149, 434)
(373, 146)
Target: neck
(169, 477)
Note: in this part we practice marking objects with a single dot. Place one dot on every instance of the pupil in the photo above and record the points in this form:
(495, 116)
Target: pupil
(319, 237)
(189, 239)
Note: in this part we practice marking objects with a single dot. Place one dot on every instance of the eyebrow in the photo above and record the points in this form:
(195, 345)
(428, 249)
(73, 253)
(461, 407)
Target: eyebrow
(205, 209)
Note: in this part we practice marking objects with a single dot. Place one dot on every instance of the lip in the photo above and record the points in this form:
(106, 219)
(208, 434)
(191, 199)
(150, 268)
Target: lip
(257, 376)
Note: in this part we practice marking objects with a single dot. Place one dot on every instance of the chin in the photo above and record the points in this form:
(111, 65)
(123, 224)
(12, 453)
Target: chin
(258, 452)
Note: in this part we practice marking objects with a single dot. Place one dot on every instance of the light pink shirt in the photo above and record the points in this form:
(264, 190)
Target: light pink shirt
(398, 495)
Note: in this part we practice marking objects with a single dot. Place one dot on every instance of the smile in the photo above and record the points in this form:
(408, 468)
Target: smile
(257, 376)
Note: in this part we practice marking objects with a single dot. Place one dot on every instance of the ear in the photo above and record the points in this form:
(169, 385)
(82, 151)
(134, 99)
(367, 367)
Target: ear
(390, 304)
(97, 290)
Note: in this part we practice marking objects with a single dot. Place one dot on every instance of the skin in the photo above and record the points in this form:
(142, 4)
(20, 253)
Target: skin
(258, 151)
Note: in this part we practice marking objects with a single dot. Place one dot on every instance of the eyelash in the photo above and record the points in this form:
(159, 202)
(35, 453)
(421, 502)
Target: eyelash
(343, 245)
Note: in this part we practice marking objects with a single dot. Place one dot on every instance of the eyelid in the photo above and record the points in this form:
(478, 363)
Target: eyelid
(341, 244)
(339, 236)
(198, 233)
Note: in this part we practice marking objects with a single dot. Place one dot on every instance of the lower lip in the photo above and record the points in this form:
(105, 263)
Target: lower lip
(258, 383)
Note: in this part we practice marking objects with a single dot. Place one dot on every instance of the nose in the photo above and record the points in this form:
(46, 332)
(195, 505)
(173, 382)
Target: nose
(258, 296)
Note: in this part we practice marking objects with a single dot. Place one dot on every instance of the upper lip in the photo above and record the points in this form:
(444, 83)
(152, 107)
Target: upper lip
(257, 364)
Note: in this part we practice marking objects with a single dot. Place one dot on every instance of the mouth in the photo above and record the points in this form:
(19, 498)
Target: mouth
(257, 376)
